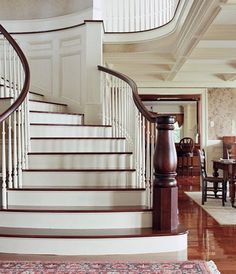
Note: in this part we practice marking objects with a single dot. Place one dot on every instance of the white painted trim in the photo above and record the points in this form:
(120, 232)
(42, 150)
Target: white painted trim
(80, 220)
(48, 23)
(201, 91)
(134, 245)
(76, 198)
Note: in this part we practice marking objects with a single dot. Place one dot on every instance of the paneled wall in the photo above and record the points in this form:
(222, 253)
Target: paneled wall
(64, 66)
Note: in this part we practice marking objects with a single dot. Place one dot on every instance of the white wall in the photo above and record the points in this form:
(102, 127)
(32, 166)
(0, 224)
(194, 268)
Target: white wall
(33, 9)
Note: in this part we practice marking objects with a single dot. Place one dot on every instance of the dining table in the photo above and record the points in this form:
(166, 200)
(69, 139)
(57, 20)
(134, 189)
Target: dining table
(228, 166)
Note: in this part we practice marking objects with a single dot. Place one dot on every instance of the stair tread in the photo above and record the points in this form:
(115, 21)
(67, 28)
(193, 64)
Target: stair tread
(76, 209)
(86, 233)
(75, 125)
(5, 98)
(80, 170)
(36, 93)
(77, 188)
(79, 153)
(55, 112)
(80, 138)
(47, 102)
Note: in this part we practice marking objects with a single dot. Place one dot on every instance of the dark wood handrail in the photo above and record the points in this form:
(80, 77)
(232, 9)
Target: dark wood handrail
(138, 102)
(25, 89)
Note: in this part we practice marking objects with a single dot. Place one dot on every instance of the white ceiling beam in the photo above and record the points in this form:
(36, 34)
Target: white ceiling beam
(140, 68)
(214, 53)
(221, 32)
(209, 68)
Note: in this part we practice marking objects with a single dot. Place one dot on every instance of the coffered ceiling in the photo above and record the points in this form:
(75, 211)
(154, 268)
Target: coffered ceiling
(199, 51)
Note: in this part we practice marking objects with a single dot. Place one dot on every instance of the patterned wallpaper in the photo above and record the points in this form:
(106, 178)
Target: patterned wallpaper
(221, 112)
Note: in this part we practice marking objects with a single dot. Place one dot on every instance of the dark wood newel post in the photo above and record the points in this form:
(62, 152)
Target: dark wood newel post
(165, 191)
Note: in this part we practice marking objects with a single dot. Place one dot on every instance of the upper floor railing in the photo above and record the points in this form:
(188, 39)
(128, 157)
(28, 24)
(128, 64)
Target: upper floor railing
(137, 15)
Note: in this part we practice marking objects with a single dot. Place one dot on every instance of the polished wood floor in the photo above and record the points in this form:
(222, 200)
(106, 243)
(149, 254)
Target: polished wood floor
(207, 240)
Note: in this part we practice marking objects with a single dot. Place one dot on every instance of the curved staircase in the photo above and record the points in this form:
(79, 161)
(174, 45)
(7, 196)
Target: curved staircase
(78, 194)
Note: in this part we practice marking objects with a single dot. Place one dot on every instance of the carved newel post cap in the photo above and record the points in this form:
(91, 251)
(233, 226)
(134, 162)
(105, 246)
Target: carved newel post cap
(165, 122)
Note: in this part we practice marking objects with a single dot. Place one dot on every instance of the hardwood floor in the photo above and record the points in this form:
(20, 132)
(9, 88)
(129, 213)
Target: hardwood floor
(207, 240)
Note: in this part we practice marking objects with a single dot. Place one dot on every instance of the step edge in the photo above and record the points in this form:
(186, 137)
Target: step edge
(111, 233)
(55, 112)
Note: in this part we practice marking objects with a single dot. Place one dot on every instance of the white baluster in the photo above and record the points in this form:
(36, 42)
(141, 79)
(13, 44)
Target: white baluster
(19, 147)
(10, 180)
(5, 67)
(110, 100)
(27, 130)
(119, 108)
(15, 156)
(23, 125)
(1, 65)
(116, 108)
(122, 110)
(143, 151)
(4, 175)
(10, 73)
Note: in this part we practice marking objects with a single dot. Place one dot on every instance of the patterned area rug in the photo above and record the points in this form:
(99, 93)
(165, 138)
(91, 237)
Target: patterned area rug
(224, 215)
(34, 267)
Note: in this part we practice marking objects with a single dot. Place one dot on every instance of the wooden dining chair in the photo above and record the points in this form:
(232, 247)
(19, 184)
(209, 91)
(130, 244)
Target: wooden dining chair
(185, 155)
(212, 187)
(230, 151)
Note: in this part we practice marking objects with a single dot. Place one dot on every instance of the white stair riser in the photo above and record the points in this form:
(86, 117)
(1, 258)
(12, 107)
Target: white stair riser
(78, 178)
(33, 96)
(69, 131)
(55, 118)
(103, 246)
(77, 198)
(111, 220)
(79, 161)
(44, 106)
(78, 145)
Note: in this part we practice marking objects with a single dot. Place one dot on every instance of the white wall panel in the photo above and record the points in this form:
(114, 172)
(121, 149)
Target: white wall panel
(71, 76)
(41, 72)
(64, 66)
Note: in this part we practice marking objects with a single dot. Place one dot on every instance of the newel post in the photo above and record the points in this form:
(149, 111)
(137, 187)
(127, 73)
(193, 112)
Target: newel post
(165, 190)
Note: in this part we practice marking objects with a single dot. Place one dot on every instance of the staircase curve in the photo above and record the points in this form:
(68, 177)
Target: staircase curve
(83, 189)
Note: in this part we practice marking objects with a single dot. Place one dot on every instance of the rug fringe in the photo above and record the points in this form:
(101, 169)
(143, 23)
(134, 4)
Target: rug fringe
(213, 268)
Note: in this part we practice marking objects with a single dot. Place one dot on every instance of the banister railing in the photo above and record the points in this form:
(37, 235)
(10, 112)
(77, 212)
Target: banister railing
(154, 151)
(14, 87)
(123, 109)
(137, 15)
